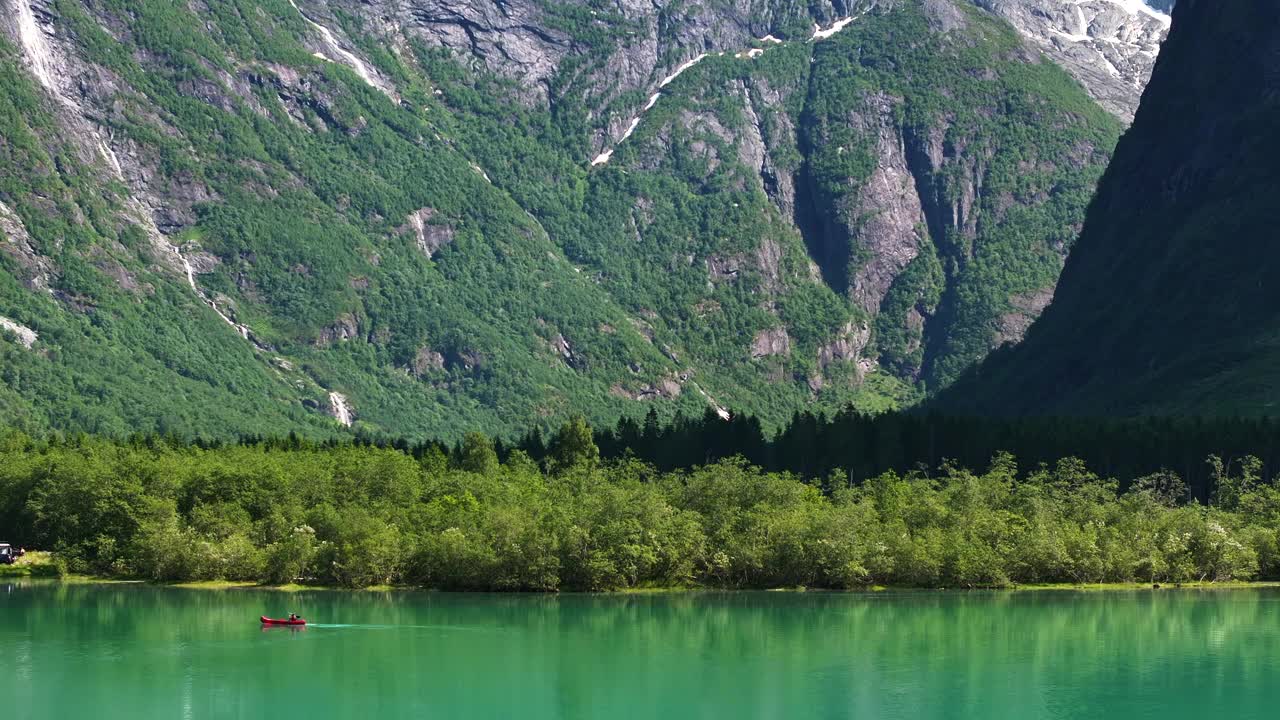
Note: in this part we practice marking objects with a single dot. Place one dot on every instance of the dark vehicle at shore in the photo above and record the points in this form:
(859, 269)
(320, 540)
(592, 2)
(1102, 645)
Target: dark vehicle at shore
(9, 554)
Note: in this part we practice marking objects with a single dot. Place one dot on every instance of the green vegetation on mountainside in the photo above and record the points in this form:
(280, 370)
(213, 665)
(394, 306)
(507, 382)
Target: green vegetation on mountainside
(308, 210)
(121, 348)
(1004, 150)
(1169, 304)
(547, 287)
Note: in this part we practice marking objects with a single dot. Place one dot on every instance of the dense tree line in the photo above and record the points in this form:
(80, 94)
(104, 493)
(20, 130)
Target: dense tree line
(359, 514)
(853, 446)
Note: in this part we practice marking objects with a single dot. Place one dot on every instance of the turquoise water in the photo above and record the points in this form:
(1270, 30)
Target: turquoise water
(144, 652)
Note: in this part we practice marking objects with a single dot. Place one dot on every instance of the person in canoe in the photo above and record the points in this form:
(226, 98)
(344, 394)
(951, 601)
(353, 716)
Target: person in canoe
(293, 619)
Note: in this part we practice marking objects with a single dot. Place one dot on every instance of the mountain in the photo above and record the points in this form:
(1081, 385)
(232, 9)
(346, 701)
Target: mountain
(1168, 304)
(424, 217)
(1110, 46)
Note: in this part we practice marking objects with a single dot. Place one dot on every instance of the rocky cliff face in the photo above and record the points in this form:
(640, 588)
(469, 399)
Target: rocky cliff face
(473, 214)
(929, 197)
(1110, 46)
(1167, 304)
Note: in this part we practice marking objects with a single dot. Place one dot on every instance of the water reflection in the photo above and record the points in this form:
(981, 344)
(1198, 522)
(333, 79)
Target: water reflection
(158, 652)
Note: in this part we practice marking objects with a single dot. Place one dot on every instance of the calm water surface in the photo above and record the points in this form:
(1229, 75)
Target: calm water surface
(143, 652)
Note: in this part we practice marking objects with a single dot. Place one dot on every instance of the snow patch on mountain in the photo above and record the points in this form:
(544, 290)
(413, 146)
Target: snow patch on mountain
(604, 157)
(820, 33)
(1134, 7)
(1110, 46)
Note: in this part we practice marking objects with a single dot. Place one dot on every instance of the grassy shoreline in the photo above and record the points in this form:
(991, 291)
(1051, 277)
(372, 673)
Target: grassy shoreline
(226, 585)
(35, 564)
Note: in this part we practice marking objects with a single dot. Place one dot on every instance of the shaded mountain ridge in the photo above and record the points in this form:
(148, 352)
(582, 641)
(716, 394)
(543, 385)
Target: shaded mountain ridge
(1168, 304)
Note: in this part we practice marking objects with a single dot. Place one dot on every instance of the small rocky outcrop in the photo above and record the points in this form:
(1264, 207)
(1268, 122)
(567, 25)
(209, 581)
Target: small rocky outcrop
(1013, 325)
(846, 346)
(25, 336)
(431, 236)
(426, 360)
(37, 270)
(564, 350)
(771, 342)
(723, 269)
(346, 327)
(667, 388)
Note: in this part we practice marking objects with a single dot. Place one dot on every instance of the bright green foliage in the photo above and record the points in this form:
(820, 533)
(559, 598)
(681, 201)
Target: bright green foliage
(574, 446)
(358, 516)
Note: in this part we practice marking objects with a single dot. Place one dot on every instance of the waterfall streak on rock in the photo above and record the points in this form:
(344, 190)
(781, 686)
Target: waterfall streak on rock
(36, 47)
(349, 58)
(341, 409)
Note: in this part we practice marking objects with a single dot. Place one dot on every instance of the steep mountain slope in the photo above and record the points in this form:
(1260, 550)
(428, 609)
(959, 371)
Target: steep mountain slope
(841, 152)
(911, 151)
(1110, 46)
(421, 217)
(376, 267)
(1168, 304)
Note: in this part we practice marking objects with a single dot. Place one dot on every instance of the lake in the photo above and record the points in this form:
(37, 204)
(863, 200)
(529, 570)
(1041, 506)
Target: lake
(102, 651)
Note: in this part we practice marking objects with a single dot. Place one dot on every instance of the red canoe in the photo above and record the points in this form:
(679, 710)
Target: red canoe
(271, 621)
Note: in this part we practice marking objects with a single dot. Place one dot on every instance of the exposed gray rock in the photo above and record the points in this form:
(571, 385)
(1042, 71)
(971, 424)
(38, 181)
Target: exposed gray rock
(466, 358)
(1110, 46)
(37, 269)
(566, 352)
(944, 16)
(887, 221)
(346, 327)
(111, 267)
(723, 269)
(668, 387)
(775, 125)
(431, 236)
(427, 360)
(751, 148)
(773, 341)
(768, 259)
(1026, 308)
(846, 346)
(25, 336)
(202, 263)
